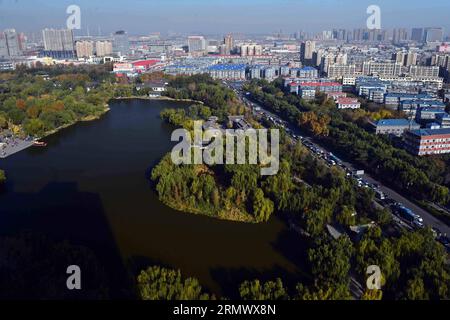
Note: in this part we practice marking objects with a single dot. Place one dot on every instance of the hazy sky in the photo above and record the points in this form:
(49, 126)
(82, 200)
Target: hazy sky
(221, 16)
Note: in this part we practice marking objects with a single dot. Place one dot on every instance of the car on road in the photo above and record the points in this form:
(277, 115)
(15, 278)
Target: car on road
(407, 215)
(379, 195)
(419, 225)
(436, 232)
(445, 241)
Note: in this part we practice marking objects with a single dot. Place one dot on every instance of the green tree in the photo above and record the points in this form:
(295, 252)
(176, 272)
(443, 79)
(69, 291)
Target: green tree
(262, 207)
(34, 127)
(271, 290)
(2, 177)
(157, 283)
(323, 292)
(3, 121)
(346, 216)
(330, 260)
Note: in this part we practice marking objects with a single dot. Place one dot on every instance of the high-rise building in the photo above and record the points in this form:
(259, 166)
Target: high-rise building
(121, 44)
(103, 48)
(417, 34)
(317, 57)
(229, 44)
(196, 44)
(84, 49)
(3, 46)
(440, 60)
(327, 35)
(58, 43)
(52, 40)
(361, 34)
(327, 60)
(58, 40)
(12, 41)
(341, 58)
(307, 49)
(406, 58)
(21, 38)
(375, 35)
(251, 49)
(434, 34)
(399, 57)
(399, 35)
(410, 59)
(349, 36)
(340, 34)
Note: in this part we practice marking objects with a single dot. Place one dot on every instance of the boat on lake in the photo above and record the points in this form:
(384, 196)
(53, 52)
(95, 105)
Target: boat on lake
(39, 144)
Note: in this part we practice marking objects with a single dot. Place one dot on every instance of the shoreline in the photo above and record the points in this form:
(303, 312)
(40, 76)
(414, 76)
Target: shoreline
(84, 119)
(222, 216)
(92, 118)
(49, 133)
(163, 98)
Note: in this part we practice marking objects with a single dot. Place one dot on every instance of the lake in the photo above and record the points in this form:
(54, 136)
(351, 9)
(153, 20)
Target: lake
(89, 187)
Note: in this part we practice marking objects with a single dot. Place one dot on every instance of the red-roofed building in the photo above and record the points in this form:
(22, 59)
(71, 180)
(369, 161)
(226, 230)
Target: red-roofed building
(348, 103)
(144, 65)
(308, 90)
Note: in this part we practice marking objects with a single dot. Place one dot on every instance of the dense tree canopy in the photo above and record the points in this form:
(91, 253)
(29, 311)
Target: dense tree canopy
(2, 177)
(270, 290)
(221, 100)
(41, 100)
(157, 283)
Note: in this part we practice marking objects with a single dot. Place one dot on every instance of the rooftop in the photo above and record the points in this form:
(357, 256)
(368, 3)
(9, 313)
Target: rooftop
(443, 115)
(320, 84)
(305, 69)
(395, 122)
(347, 100)
(431, 132)
(431, 110)
(412, 95)
(220, 67)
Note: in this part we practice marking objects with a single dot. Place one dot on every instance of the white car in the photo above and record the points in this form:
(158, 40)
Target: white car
(418, 224)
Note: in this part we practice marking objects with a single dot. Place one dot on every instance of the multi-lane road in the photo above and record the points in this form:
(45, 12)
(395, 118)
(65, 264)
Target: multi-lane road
(428, 218)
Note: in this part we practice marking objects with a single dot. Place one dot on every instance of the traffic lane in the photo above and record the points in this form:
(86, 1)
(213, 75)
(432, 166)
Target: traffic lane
(428, 218)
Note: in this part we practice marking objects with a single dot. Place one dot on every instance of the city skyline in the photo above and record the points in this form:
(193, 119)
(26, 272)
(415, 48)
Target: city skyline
(199, 16)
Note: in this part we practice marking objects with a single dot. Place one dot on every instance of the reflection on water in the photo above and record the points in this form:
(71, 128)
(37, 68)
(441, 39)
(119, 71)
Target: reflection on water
(89, 187)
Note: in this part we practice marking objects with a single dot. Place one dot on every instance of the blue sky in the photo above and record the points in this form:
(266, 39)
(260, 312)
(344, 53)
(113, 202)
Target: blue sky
(221, 16)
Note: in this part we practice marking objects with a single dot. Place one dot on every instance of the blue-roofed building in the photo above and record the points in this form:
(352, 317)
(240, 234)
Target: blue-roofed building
(394, 126)
(285, 71)
(433, 125)
(428, 114)
(395, 99)
(367, 85)
(61, 55)
(443, 119)
(191, 66)
(411, 107)
(228, 71)
(256, 71)
(305, 72)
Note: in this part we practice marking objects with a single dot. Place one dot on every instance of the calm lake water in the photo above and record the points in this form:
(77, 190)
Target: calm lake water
(89, 187)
